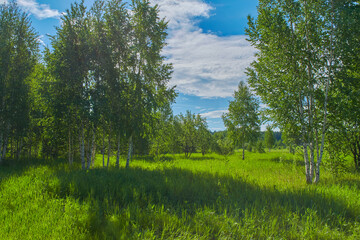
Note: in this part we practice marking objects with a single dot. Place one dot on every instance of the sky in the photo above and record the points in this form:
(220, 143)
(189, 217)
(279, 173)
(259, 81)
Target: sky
(206, 44)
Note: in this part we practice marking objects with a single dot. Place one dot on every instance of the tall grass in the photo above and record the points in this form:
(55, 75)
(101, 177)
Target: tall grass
(263, 197)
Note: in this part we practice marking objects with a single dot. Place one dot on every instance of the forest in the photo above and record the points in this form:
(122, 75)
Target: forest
(90, 147)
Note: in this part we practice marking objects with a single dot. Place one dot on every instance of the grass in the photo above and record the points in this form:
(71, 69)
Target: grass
(263, 197)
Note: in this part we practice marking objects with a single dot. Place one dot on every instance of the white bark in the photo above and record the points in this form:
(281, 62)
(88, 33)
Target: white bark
(91, 149)
(305, 144)
(129, 151)
(88, 154)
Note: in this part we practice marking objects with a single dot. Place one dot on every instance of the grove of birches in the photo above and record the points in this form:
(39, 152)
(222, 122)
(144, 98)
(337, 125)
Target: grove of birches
(102, 86)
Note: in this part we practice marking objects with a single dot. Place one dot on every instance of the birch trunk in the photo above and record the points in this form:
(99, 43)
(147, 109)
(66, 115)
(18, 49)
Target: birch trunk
(319, 158)
(118, 153)
(82, 148)
(88, 155)
(129, 151)
(91, 149)
(305, 145)
(312, 159)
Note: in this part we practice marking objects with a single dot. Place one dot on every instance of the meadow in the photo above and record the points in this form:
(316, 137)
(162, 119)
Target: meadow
(204, 197)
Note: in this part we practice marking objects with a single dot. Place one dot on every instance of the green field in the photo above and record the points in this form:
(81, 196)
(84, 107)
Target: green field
(210, 197)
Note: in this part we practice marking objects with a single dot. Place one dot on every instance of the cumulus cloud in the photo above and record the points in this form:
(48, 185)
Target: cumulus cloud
(205, 65)
(40, 11)
(214, 114)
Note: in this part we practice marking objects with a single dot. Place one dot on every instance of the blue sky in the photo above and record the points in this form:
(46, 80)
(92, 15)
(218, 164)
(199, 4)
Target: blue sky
(206, 45)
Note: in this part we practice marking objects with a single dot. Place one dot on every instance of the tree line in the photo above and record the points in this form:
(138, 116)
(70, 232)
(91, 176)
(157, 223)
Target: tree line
(102, 87)
(104, 80)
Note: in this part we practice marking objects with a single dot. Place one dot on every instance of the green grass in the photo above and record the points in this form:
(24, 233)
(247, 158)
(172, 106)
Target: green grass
(263, 197)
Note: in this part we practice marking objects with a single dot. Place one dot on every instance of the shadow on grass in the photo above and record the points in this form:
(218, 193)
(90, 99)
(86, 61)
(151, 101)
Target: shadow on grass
(201, 158)
(351, 183)
(288, 161)
(16, 167)
(110, 191)
(182, 190)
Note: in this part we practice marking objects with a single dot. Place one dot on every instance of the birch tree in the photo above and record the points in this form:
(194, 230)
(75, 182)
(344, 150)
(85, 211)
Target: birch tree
(70, 65)
(295, 66)
(18, 56)
(148, 74)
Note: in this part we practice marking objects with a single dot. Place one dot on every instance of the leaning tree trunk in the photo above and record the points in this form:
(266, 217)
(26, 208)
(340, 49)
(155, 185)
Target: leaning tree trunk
(129, 151)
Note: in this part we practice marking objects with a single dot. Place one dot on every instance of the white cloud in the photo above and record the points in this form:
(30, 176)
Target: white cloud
(40, 40)
(41, 11)
(3, 1)
(214, 114)
(205, 64)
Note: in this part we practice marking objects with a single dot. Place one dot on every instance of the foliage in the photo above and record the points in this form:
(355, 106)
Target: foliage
(242, 121)
(298, 58)
(260, 147)
(269, 138)
(192, 133)
(225, 147)
(18, 56)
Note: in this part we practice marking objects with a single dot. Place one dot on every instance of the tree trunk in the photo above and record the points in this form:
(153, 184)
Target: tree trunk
(82, 147)
(129, 151)
(307, 164)
(93, 149)
(109, 149)
(118, 153)
(88, 154)
(312, 159)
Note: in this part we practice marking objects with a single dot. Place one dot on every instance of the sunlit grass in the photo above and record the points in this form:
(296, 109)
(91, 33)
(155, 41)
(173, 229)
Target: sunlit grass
(211, 197)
